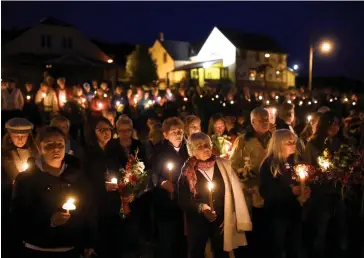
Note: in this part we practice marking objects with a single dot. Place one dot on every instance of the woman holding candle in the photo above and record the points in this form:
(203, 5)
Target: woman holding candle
(17, 148)
(101, 167)
(282, 209)
(46, 229)
(169, 217)
(210, 195)
(326, 208)
(192, 125)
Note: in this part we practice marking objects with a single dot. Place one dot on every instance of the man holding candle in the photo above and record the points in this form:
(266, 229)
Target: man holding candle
(210, 195)
(46, 229)
(169, 217)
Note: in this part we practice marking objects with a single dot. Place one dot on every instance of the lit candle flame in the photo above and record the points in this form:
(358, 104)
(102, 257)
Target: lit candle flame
(105, 95)
(309, 118)
(118, 103)
(274, 111)
(25, 166)
(210, 186)
(232, 102)
(100, 105)
(69, 205)
(44, 95)
(28, 97)
(83, 100)
(114, 180)
(301, 173)
(170, 166)
(185, 99)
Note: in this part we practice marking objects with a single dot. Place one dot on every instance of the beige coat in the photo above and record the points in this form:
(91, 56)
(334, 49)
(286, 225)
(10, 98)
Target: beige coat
(236, 214)
(249, 149)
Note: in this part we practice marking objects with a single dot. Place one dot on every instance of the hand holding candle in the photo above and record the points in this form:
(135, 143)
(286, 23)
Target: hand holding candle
(69, 205)
(301, 171)
(170, 167)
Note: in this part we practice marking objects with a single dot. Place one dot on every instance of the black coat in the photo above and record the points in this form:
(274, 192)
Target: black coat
(38, 195)
(164, 206)
(279, 200)
(100, 166)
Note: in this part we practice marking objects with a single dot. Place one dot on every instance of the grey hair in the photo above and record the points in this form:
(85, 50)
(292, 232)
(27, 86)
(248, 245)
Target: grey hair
(258, 111)
(196, 139)
(124, 120)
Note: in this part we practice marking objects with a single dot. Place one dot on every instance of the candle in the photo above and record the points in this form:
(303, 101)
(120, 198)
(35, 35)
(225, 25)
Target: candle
(118, 103)
(309, 118)
(69, 205)
(185, 99)
(232, 102)
(210, 185)
(83, 100)
(302, 173)
(105, 95)
(170, 167)
(99, 105)
(25, 166)
(28, 97)
(114, 180)
(44, 95)
(62, 98)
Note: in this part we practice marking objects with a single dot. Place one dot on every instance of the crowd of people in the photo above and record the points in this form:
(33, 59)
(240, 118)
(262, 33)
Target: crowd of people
(229, 192)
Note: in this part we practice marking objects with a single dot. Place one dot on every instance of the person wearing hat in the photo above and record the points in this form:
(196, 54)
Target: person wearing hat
(17, 148)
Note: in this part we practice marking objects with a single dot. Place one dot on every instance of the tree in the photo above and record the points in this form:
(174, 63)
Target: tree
(140, 67)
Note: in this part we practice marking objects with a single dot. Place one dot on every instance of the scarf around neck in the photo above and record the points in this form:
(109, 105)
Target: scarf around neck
(194, 164)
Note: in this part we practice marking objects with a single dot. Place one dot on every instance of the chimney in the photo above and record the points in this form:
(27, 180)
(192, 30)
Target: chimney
(161, 36)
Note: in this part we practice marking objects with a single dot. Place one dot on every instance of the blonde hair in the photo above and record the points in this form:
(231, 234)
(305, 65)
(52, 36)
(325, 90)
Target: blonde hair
(276, 149)
(188, 120)
(124, 120)
(197, 139)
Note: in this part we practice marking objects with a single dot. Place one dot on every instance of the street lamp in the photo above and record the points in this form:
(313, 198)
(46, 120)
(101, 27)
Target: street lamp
(324, 47)
(295, 67)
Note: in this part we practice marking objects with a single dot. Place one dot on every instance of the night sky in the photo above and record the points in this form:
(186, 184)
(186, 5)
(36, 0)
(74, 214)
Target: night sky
(290, 23)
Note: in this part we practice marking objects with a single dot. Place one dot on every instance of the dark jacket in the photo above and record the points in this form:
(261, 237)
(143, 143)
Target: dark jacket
(165, 207)
(279, 200)
(38, 195)
(100, 166)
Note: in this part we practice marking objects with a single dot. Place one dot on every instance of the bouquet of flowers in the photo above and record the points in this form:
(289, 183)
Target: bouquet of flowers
(133, 180)
(221, 145)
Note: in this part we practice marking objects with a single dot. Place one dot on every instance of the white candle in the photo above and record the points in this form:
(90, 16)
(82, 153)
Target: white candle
(114, 180)
(170, 167)
(210, 186)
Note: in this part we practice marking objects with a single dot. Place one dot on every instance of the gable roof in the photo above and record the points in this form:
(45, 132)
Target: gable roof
(54, 22)
(178, 50)
(250, 41)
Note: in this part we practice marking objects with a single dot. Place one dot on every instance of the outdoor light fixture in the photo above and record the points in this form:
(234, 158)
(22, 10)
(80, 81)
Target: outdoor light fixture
(295, 67)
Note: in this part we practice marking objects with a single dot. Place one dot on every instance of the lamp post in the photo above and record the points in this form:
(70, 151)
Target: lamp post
(324, 47)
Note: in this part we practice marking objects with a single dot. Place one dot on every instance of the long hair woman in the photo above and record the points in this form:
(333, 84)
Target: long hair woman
(220, 213)
(326, 206)
(100, 166)
(42, 219)
(280, 192)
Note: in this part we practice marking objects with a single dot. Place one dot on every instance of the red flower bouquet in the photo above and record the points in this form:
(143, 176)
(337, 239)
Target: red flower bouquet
(133, 180)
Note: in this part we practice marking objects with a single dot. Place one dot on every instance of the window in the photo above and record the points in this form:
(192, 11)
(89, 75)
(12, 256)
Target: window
(67, 43)
(252, 74)
(225, 73)
(257, 57)
(194, 74)
(46, 41)
(165, 57)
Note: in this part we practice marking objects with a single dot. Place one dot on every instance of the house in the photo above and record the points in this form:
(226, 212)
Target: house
(55, 46)
(168, 56)
(229, 56)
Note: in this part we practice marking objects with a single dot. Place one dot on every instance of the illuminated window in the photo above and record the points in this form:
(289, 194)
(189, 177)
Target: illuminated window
(165, 57)
(212, 73)
(194, 74)
(252, 74)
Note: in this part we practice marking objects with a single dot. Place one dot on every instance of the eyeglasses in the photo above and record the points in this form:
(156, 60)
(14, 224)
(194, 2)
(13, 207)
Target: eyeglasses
(103, 130)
